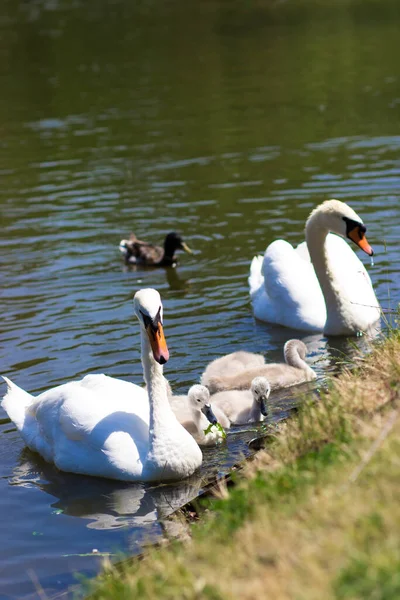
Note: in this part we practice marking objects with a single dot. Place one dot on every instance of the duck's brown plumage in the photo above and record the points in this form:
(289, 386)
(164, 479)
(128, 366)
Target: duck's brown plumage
(139, 252)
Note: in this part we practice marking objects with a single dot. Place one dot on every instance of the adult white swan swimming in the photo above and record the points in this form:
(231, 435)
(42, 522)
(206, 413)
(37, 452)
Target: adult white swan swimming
(321, 285)
(108, 427)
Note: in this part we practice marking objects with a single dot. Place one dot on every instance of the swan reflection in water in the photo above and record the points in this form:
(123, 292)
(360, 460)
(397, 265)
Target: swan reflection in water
(105, 503)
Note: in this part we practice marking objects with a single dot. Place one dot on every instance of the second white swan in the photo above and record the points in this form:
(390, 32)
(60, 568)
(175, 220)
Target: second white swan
(321, 285)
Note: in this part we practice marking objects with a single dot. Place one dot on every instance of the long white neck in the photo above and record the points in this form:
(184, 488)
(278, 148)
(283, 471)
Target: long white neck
(160, 410)
(172, 452)
(338, 309)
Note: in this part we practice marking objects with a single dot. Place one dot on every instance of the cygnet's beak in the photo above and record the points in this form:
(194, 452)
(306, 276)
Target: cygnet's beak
(207, 410)
(157, 340)
(264, 406)
(186, 248)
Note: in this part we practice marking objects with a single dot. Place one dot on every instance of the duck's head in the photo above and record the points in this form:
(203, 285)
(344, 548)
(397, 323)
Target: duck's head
(199, 398)
(261, 390)
(338, 217)
(173, 241)
(149, 311)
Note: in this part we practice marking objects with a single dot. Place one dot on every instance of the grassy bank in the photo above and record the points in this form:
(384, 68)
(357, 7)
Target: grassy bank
(315, 516)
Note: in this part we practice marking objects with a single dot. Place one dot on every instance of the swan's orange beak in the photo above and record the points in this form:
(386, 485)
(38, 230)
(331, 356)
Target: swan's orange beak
(358, 237)
(158, 343)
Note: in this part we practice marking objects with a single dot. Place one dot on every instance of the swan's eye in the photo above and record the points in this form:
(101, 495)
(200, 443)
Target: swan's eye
(351, 225)
(149, 322)
(146, 319)
(198, 399)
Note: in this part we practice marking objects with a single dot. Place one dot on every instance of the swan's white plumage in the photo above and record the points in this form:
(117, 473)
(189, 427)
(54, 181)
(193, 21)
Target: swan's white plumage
(290, 293)
(108, 427)
(285, 289)
(81, 429)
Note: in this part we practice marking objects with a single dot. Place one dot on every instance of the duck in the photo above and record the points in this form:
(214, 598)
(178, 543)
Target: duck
(245, 406)
(137, 252)
(106, 427)
(195, 413)
(293, 371)
(321, 285)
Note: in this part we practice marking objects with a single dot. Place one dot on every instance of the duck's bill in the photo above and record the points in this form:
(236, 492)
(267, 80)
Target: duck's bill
(359, 238)
(207, 410)
(158, 343)
(186, 248)
(264, 407)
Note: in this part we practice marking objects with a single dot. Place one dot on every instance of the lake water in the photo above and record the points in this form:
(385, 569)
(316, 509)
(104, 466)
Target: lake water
(228, 121)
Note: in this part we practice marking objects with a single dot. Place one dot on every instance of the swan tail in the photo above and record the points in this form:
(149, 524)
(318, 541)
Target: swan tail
(256, 277)
(15, 403)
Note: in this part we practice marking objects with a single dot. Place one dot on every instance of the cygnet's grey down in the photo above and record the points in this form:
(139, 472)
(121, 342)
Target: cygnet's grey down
(280, 375)
(231, 364)
(244, 406)
(195, 413)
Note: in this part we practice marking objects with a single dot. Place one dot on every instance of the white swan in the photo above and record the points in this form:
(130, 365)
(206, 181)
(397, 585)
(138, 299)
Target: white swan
(295, 370)
(107, 427)
(195, 413)
(244, 406)
(337, 297)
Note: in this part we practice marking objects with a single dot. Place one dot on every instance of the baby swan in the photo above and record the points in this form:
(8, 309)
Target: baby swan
(245, 406)
(195, 413)
(137, 252)
(280, 375)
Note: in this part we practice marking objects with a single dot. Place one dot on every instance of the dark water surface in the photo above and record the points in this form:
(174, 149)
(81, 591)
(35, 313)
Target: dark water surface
(228, 121)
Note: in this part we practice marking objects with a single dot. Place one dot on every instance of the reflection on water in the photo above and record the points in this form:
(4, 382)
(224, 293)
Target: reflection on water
(106, 504)
(227, 123)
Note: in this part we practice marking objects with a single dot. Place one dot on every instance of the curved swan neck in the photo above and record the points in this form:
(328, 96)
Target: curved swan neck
(295, 355)
(335, 298)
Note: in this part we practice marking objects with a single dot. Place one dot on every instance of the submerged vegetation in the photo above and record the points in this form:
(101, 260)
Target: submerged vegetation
(315, 515)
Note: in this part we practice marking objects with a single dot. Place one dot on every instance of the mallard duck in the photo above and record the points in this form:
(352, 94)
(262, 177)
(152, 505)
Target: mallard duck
(107, 427)
(224, 374)
(137, 252)
(244, 406)
(321, 285)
